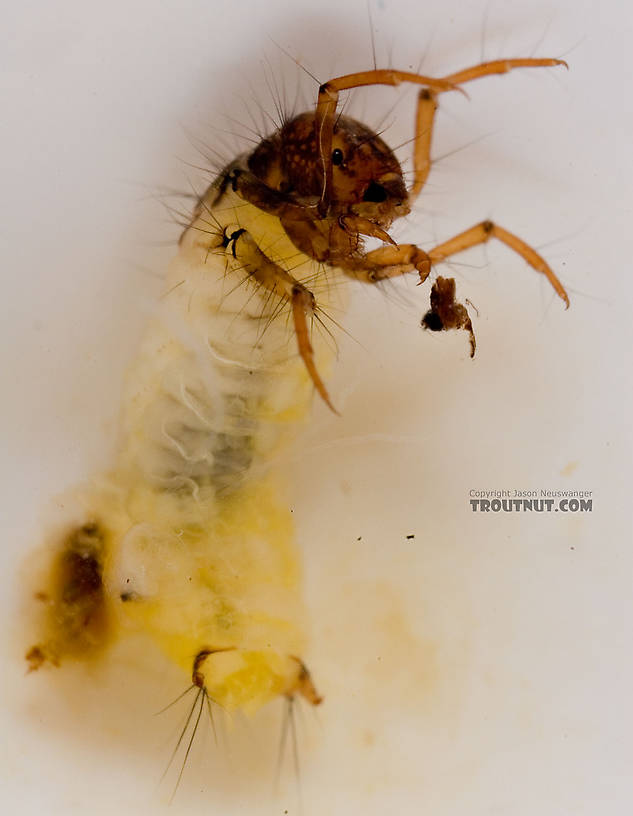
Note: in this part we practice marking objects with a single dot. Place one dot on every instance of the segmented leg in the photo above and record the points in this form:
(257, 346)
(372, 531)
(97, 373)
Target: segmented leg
(272, 277)
(501, 66)
(427, 105)
(391, 262)
(303, 303)
(356, 225)
(424, 120)
(481, 233)
(329, 94)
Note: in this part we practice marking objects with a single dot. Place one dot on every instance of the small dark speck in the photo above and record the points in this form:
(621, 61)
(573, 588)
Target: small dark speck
(410, 535)
(360, 538)
(129, 596)
(572, 548)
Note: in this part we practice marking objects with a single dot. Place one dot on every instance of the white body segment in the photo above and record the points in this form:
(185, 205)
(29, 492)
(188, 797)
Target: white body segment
(219, 382)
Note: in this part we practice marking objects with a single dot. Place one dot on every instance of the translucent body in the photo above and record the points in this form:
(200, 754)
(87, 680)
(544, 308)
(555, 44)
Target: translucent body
(198, 545)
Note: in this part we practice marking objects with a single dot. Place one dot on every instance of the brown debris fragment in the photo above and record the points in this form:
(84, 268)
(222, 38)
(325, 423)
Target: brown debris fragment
(446, 313)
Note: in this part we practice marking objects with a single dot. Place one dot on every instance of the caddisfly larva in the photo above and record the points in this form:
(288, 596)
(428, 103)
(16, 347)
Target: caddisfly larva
(189, 538)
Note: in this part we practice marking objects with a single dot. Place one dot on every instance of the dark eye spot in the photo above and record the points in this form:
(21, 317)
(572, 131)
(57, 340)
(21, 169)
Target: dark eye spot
(337, 157)
(374, 193)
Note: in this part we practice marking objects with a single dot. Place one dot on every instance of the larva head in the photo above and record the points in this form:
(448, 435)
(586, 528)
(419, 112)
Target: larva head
(366, 176)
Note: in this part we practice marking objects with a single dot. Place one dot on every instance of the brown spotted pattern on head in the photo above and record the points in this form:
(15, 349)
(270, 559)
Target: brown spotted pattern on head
(367, 178)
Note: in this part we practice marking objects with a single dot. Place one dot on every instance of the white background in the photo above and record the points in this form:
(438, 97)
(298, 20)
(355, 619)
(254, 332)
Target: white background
(483, 666)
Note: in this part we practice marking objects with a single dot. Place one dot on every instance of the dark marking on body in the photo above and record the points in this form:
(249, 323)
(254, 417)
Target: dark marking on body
(76, 614)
